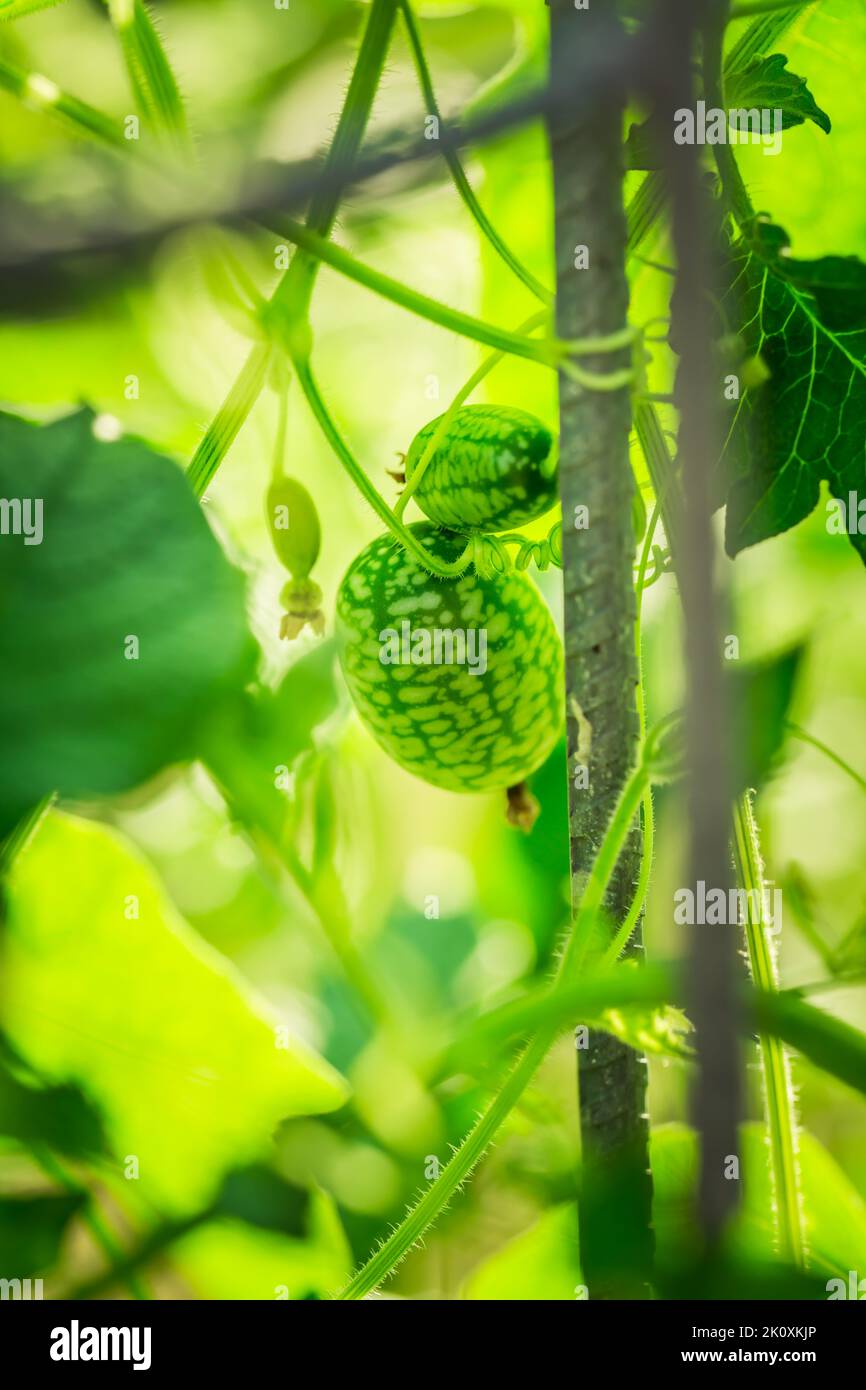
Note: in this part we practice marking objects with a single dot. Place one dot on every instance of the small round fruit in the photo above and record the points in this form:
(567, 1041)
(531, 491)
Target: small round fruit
(494, 468)
(461, 679)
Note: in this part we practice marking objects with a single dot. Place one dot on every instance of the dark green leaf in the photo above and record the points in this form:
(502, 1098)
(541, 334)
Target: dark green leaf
(59, 1116)
(283, 722)
(767, 84)
(760, 696)
(262, 1198)
(31, 1229)
(125, 553)
(806, 423)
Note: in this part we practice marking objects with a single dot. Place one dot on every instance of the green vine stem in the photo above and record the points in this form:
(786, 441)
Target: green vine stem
(262, 811)
(92, 1217)
(623, 934)
(779, 1093)
(229, 418)
(547, 351)
(747, 9)
(458, 174)
(40, 93)
(484, 370)
(296, 286)
(150, 73)
(828, 753)
(429, 1207)
(323, 416)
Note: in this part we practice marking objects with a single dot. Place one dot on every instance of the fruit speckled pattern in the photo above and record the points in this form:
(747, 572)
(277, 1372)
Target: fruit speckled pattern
(458, 730)
(491, 470)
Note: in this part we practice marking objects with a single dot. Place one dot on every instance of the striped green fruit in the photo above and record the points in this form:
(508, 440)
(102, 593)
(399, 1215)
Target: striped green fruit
(493, 468)
(459, 679)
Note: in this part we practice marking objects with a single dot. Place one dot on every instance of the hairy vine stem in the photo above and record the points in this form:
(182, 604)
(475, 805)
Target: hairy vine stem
(455, 1173)
(458, 174)
(296, 287)
(779, 1101)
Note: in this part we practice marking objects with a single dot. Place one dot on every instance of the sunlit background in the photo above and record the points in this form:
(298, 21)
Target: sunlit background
(262, 84)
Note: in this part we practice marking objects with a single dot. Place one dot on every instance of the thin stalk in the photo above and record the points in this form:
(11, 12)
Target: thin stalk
(150, 72)
(262, 811)
(229, 418)
(733, 187)
(296, 286)
(39, 92)
(16, 9)
(828, 753)
(458, 174)
(778, 1089)
(365, 487)
(398, 1244)
(462, 395)
(546, 351)
(93, 1219)
(18, 839)
(746, 9)
(630, 921)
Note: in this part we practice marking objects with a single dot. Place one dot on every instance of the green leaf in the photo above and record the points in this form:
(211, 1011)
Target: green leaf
(835, 1214)
(660, 1031)
(541, 1264)
(59, 1116)
(158, 1029)
(262, 1198)
(806, 423)
(766, 83)
(285, 720)
(760, 696)
(227, 1259)
(125, 554)
(829, 1043)
(31, 1230)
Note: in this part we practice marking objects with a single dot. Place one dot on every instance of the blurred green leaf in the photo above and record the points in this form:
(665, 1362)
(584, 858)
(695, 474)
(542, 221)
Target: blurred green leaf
(180, 1054)
(764, 84)
(828, 1043)
(660, 1031)
(282, 723)
(541, 1264)
(230, 1260)
(59, 1116)
(31, 1229)
(760, 696)
(262, 1198)
(834, 1212)
(125, 557)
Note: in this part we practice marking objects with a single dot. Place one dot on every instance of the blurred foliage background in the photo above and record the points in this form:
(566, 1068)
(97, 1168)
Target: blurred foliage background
(259, 1173)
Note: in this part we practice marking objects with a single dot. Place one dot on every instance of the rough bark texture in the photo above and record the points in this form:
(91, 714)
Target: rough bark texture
(599, 632)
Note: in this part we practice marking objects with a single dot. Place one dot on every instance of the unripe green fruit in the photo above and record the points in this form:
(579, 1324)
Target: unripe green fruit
(493, 469)
(482, 722)
(294, 525)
